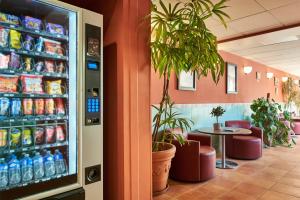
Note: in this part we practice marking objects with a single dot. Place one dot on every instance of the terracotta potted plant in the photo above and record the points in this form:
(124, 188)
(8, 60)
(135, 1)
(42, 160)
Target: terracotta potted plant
(217, 112)
(180, 42)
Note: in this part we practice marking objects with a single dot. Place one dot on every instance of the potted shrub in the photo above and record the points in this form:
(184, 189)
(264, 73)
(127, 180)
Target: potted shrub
(180, 42)
(217, 112)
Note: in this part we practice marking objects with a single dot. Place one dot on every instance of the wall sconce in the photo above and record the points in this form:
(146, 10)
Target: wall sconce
(270, 75)
(247, 69)
(285, 79)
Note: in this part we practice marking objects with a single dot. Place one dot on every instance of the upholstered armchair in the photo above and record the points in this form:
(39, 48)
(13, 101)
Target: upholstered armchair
(195, 161)
(296, 126)
(247, 147)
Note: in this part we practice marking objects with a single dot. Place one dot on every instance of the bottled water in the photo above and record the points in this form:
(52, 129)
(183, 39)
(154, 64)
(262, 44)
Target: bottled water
(59, 162)
(49, 164)
(38, 166)
(27, 168)
(3, 173)
(14, 170)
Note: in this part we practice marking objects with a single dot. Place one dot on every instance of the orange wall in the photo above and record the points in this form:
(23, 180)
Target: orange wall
(207, 92)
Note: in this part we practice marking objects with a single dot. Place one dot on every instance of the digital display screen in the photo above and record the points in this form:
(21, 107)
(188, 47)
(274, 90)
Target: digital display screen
(93, 65)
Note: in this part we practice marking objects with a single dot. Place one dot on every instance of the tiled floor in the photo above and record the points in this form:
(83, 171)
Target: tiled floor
(275, 176)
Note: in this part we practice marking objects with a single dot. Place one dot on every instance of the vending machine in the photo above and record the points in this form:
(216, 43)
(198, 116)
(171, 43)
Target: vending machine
(51, 103)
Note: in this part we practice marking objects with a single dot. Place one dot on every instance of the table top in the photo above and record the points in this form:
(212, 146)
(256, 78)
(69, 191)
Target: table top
(225, 131)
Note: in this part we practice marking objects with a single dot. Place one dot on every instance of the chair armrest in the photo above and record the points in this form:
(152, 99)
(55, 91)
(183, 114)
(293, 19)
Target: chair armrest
(257, 132)
(202, 138)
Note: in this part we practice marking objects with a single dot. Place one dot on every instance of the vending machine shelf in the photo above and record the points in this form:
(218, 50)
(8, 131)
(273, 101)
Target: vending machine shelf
(22, 95)
(45, 74)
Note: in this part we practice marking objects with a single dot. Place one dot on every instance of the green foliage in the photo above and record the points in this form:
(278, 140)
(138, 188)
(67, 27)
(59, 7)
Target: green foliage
(265, 116)
(217, 112)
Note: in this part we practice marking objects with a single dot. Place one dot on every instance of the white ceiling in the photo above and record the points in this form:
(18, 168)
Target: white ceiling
(280, 49)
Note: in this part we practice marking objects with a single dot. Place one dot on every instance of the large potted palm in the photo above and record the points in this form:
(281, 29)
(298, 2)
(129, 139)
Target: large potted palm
(180, 42)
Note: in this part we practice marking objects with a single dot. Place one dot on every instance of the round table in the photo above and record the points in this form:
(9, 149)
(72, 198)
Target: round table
(223, 163)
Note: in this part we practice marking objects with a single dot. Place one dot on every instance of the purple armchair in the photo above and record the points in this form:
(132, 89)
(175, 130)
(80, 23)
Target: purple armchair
(244, 147)
(194, 161)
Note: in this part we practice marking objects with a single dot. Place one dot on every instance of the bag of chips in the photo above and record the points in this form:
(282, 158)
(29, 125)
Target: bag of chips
(27, 65)
(39, 135)
(60, 108)
(39, 66)
(3, 37)
(27, 106)
(53, 47)
(32, 84)
(32, 23)
(28, 44)
(55, 28)
(15, 107)
(3, 137)
(15, 39)
(53, 87)
(27, 137)
(4, 106)
(15, 137)
(49, 66)
(50, 134)
(8, 83)
(4, 60)
(39, 105)
(39, 44)
(9, 19)
(60, 134)
(60, 67)
(14, 61)
(49, 107)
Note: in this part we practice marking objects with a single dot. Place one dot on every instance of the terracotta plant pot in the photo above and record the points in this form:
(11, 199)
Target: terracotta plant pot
(161, 164)
(217, 126)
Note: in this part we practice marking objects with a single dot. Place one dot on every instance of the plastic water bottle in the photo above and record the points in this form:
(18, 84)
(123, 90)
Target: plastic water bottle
(59, 162)
(3, 173)
(27, 168)
(49, 164)
(14, 170)
(38, 166)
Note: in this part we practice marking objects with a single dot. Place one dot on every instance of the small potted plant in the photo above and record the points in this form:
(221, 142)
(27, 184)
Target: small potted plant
(217, 112)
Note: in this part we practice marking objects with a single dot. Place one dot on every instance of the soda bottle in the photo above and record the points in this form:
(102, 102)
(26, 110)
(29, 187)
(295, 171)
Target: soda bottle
(26, 168)
(3, 173)
(14, 170)
(59, 162)
(38, 166)
(49, 164)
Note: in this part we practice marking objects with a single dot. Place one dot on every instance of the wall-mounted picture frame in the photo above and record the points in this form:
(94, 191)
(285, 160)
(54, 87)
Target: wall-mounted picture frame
(276, 90)
(187, 81)
(276, 81)
(231, 78)
(258, 76)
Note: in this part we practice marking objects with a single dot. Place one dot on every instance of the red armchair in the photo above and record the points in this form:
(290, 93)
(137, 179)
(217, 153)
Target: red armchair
(194, 161)
(296, 126)
(244, 147)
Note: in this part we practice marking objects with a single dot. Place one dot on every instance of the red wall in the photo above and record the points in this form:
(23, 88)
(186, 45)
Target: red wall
(208, 92)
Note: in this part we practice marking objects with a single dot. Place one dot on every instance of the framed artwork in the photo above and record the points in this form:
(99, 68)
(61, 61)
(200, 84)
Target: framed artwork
(258, 76)
(187, 81)
(276, 81)
(276, 90)
(231, 78)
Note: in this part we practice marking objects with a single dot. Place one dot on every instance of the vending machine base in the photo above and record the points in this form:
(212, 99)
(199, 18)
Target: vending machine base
(78, 194)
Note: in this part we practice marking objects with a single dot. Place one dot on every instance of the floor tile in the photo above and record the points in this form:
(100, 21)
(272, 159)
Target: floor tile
(286, 189)
(271, 195)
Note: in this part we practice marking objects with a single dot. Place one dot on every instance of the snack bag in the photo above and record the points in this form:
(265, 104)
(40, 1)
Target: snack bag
(15, 39)
(39, 136)
(8, 83)
(53, 87)
(14, 61)
(50, 134)
(39, 44)
(49, 66)
(32, 23)
(53, 47)
(3, 137)
(27, 106)
(60, 108)
(15, 107)
(4, 106)
(49, 107)
(28, 44)
(15, 137)
(4, 60)
(60, 67)
(3, 37)
(27, 64)
(60, 135)
(32, 84)
(27, 137)
(39, 105)
(3, 17)
(39, 66)
(55, 28)
(12, 19)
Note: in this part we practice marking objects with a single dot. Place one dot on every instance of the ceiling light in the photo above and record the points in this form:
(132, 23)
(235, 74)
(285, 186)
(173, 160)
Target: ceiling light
(270, 75)
(285, 79)
(247, 69)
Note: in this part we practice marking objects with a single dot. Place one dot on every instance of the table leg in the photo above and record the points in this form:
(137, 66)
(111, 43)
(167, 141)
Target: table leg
(223, 163)
(223, 152)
